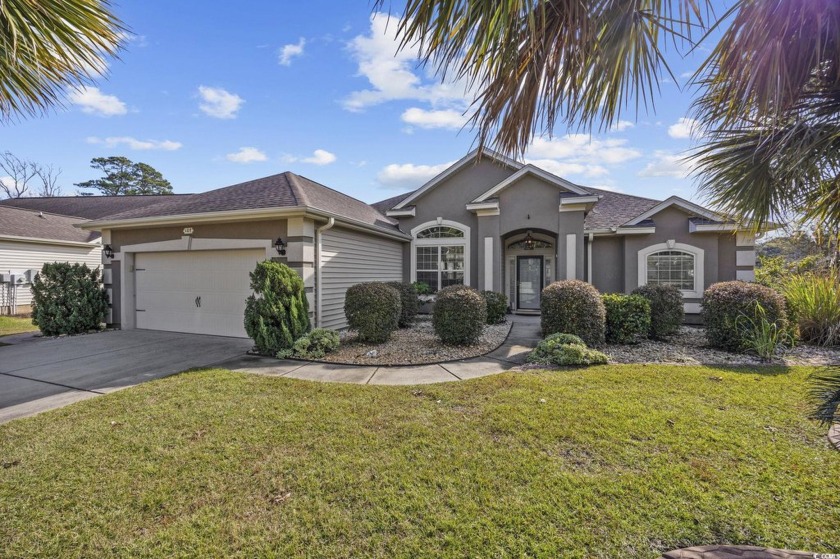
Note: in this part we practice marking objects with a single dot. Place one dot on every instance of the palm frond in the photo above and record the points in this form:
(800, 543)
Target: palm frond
(825, 394)
(48, 46)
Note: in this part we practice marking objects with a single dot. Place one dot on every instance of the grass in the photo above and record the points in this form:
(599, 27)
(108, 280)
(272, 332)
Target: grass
(614, 461)
(15, 325)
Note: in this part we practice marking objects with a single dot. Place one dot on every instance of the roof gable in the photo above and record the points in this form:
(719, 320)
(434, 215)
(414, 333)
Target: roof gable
(454, 168)
(686, 206)
(533, 171)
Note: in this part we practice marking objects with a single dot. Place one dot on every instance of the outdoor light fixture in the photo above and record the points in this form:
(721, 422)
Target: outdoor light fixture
(528, 242)
(280, 245)
(109, 252)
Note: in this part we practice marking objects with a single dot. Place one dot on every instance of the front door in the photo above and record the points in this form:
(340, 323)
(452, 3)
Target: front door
(529, 282)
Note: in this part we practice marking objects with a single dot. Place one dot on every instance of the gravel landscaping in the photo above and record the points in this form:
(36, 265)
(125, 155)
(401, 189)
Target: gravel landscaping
(689, 347)
(414, 346)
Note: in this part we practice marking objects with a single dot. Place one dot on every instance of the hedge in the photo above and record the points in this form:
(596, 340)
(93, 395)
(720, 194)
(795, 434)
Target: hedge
(497, 306)
(573, 307)
(68, 299)
(729, 312)
(277, 313)
(459, 315)
(666, 309)
(372, 310)
(628, 318)
(410, 304)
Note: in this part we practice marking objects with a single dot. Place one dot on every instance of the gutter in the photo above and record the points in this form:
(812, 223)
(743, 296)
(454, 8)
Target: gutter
(319, 297)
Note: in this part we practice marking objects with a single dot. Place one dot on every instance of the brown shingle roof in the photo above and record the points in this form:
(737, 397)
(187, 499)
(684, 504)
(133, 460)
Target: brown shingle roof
(285, 190)
(87, 207)
(15, 222)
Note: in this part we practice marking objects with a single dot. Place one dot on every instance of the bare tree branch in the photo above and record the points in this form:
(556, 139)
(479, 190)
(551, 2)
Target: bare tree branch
(48, 175)
(15, 174)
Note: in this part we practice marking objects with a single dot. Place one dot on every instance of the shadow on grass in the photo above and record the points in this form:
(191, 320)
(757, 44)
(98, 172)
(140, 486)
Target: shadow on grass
(763, 369)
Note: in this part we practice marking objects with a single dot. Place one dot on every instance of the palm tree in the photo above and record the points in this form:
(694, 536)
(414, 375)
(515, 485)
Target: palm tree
(47, 46)
(825, 393)
(769, 93)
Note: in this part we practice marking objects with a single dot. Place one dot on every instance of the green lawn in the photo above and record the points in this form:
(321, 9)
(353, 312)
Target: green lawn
(14, 325)
(616, 461)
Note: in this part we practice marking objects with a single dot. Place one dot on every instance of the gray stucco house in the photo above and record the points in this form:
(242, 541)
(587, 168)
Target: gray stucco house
(182, 263)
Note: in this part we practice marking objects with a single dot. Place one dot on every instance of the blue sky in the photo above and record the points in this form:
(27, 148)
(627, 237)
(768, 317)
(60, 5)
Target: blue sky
(212, 96)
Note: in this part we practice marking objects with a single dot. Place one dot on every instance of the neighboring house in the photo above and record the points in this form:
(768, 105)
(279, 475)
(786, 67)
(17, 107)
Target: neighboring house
(490, 222)
(28, 240)
(35, 231)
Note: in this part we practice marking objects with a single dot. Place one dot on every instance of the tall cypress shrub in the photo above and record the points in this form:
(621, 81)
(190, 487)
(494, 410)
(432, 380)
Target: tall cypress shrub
(277, 314)
(68, 299)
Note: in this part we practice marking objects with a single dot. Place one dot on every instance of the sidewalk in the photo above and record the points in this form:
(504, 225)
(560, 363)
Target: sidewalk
(524, 335)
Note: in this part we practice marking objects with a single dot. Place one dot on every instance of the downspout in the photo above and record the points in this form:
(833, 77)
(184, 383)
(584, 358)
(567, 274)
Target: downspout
(318, 283)
(589, 258)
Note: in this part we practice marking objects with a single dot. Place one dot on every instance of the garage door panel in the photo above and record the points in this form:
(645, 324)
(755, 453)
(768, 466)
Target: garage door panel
(203, 292)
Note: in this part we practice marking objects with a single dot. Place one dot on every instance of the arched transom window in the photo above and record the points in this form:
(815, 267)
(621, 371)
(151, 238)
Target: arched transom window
(440, 254)
(671, 267)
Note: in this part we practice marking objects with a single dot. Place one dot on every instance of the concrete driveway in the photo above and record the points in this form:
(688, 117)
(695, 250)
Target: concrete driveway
(49, 373)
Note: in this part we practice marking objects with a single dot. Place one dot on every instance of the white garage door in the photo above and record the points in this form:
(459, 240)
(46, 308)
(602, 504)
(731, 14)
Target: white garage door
(202, 292)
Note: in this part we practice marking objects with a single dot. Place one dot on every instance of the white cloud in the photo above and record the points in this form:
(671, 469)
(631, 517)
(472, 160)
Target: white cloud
(391, 71)
(134, 143)
(291, 51)
(584, 148)
(92, 101)
(621, 126)
(318, 157)
(218, 103)
(666, 164)
(408, 175)
(247, 155)
(447, 118)
(684, 128)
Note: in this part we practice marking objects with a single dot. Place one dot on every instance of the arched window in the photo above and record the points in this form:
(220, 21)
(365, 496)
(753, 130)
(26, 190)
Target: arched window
(673, 263)
(440, 254)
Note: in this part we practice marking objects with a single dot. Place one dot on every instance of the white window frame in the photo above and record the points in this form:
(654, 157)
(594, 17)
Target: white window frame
(456, 241)
(699, 268)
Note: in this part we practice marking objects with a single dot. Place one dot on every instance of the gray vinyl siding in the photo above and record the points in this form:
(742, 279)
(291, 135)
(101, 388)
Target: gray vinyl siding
(349, 257)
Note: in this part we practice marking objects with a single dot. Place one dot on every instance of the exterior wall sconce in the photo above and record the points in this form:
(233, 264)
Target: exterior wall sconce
(108, 251)
(280, 246)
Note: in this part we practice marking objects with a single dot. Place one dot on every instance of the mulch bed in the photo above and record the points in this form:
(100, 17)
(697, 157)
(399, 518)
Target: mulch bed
(414, 346)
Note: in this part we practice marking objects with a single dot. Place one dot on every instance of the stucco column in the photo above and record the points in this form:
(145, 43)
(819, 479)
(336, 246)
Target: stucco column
(489, 247)
(300, 255)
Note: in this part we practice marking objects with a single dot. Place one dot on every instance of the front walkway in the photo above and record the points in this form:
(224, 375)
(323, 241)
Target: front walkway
(523, 336)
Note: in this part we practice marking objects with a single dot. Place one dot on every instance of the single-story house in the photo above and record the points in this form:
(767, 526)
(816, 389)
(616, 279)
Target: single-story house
(487, 221)
(35, 231)
(28, 240)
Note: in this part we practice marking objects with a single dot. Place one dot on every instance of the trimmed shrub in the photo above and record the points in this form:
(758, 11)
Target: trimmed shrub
(729, 309)
(314, 345)
(666, 309)
(814, 305)
(564, 350)
(277, 313)
(68, 299)
(372, 310)
(497, 306)
(628, 318)
(459, 315)
(409, 301)
(573, 307)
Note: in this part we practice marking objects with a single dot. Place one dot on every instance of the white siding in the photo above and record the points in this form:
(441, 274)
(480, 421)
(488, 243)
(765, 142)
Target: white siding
(18, 256)
(349, 257)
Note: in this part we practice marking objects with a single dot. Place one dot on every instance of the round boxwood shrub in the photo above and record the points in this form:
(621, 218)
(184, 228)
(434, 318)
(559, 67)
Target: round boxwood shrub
(277, 313)
(564, 350)
(729, 312)
(628, 318)
(372, 310)
(497, 305)
(68, 299)
(666, 309)
(459, 315)
(409, 301)
(573, 307)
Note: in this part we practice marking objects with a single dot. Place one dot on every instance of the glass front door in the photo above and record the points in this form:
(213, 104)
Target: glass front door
(529, 278)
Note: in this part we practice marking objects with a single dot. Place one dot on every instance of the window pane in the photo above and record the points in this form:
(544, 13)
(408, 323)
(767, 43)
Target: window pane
(671, 267)
(451, 278)
(452, 258)
(429, 278)
(427, 258)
